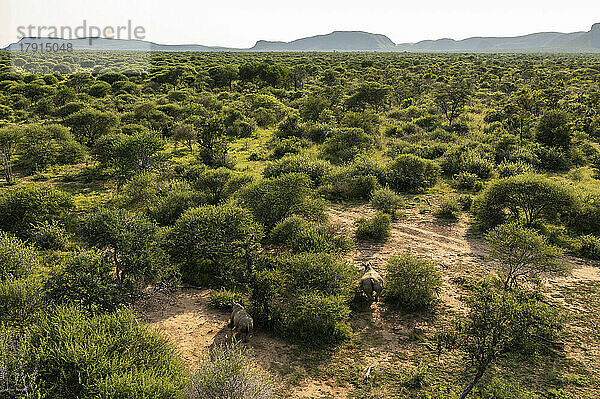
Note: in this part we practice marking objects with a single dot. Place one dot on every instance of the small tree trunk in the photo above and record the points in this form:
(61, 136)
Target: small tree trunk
(468, 389)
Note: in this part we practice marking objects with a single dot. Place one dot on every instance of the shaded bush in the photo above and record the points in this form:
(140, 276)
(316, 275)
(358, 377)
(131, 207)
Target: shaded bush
(317, 170)
(272, 200)
(230, 373)
(316, 319)
(86, 279)
(21, 300)
(298, 235)
(110, 355)
(215, 245)
(377, 228)
(23, 206)
(531, 198)
(386, 201)
(345, 145)
(449, 209)
(412, 283)
(411, 173)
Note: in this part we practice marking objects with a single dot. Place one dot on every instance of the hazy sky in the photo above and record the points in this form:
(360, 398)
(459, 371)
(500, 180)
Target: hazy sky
(236, 23)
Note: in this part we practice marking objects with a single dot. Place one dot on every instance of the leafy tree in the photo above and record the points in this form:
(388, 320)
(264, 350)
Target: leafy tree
(86, 280)
(10, 138)
(44, 146)
(452, 98)
(521, 253)
(24, 206)
(368, 93)
(527, 197)
(215, 245)
(212, 141)
(554, 129)
(272, 200)
(185, 133)
(411, 173)
(345, 145)
(499, 323)
(89, 124)
(132, 241)
(412, 282)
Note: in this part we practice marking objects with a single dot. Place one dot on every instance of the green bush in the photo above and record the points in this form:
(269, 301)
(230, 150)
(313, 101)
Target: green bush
(317, 170)
(344, 185)
(411, 173)
(230, 373)
(554, 129)
(272, 200)
(387, 201)
(86, 279)
(24, 206)
(345, 145)
(320, 272)
(508, 168)
(224, 299)
(412, 282)
(378, 228)
(298, 235)
(589, 247)
(133, 241)
(17, 259)
(45, 146)
(109, 356)
(531, 198)
(20, 301)
(50, 235)
(214, 245)
(316, 319)
(449, 209)
(467, 181)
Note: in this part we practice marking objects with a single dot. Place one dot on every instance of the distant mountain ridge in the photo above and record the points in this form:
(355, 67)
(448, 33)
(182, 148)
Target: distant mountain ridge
(358, 41)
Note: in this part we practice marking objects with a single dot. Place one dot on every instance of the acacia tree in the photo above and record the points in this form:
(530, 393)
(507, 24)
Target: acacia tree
(452, 98)
(10, 137)
(521, 253)
(500, 322)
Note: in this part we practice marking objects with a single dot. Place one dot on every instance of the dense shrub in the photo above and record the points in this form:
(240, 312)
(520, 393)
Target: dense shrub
(377, 228)
(554, 129)
(215, 245)
(316, 319)
(44, 146)
(467, 181)
(411, 173)
(50, 235)
(224, 299)
(132, 239)
(317, 170)
(20, 301)
(320, 272)
(532, 198)
(460, 158)
(449, 209)
(86, 279)
(23, 206)
(345, 145)
(344, 185)
(589, 247)
(272, 200)
(109, 356)
(508, 168)
(299, 235)
(387, 201)
(17, 259)
(412, 282)
(230, 373)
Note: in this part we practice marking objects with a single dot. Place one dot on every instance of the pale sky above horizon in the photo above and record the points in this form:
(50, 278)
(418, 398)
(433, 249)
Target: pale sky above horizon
(236, 23)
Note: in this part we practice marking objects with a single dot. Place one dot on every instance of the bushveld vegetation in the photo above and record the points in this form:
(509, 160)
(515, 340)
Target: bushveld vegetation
(220, 170)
